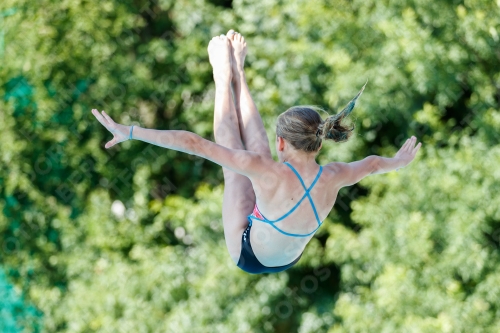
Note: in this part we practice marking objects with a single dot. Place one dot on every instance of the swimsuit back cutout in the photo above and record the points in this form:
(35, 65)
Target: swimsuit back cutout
(257, 216)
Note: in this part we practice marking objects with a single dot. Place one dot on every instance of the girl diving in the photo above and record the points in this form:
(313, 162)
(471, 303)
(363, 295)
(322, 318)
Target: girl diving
(270, 210)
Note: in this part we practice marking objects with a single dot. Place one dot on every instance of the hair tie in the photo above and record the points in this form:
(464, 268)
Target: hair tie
(318, 132)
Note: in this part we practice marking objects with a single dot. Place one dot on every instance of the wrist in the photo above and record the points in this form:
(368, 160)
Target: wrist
(399, 163)
(131, 132)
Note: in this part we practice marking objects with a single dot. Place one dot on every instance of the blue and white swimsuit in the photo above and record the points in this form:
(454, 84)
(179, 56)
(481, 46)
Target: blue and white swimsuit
(248, 262)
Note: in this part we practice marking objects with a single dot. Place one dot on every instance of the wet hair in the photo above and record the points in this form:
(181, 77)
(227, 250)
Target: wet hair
(303, 127)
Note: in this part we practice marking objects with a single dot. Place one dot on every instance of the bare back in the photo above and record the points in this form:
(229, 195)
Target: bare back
(277, 192)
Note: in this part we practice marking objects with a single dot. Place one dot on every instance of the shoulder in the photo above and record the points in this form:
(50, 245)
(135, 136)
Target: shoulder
(332, 171)
(336, 168)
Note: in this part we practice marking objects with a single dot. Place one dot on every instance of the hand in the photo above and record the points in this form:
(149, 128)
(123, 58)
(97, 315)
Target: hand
(408, 151)
(120, 132)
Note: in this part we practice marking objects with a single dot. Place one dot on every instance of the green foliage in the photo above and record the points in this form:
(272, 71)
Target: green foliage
(130, 239)
(425, 257)
(15, 314)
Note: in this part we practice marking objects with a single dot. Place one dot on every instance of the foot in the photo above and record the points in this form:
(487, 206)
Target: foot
(219, 54)
(239, 50)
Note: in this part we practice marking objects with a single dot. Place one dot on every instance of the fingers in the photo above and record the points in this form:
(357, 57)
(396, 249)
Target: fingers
(405, 145)
(416, 149)
(409, 144)
(110, 125)
(108, 118)
(111, 143)
(100, 118)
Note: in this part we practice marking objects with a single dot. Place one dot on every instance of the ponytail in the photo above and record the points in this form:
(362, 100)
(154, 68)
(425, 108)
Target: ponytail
(333, 127)
(303, 127)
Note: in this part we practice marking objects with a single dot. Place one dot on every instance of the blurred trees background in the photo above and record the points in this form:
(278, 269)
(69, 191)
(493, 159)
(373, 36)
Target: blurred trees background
(130, 239)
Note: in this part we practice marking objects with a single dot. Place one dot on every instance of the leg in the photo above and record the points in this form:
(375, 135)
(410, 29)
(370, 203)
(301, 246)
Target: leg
(252, 128)
(239, 197)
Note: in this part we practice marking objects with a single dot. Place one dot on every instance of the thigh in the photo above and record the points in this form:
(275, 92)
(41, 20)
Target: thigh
(238, 203)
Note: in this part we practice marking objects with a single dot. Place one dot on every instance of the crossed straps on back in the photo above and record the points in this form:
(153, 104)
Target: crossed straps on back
(307, 194)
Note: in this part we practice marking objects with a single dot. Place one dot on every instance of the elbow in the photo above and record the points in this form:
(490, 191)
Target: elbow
(193, 143)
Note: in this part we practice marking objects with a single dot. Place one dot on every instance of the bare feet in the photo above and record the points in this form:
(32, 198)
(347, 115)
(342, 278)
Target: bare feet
(239, 50)
(219, 53)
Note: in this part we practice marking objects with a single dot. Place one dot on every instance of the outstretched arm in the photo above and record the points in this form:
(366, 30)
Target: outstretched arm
(244, 162)
(351, 173)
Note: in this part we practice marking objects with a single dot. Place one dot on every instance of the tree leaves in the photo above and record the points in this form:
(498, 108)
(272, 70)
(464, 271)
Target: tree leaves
(424, 252)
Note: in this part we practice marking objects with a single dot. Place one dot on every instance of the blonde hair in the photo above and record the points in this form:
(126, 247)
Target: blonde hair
(303, 127)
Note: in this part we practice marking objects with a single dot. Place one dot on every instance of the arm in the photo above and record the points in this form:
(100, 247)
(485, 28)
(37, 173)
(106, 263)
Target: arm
(386, 164)
(351, 173)
(244, 162)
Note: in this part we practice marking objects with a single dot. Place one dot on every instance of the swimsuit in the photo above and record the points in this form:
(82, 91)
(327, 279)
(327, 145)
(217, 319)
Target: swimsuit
(248, 262)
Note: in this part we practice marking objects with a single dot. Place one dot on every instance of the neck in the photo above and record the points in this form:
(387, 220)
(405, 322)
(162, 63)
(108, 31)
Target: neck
(299, 158)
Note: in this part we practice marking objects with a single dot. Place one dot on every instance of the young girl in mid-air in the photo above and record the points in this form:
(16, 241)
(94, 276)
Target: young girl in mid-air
(287, 199)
